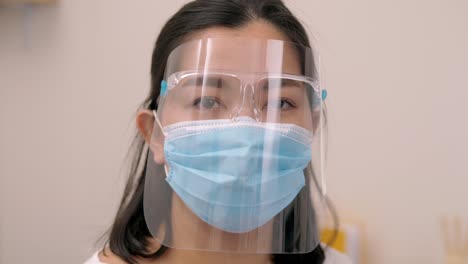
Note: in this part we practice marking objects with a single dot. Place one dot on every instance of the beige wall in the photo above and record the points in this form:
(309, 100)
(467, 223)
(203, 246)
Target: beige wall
(71, 77)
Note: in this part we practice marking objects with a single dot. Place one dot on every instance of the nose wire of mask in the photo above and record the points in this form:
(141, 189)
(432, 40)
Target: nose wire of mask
(247, 103)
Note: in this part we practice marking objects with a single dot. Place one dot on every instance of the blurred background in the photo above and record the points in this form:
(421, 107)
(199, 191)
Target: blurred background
(72, 74)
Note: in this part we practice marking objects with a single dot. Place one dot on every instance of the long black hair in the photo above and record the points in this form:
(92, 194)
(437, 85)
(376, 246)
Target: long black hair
(129, 236)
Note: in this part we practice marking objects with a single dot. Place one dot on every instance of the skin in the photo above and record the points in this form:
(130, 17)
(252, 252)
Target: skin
(187, 225)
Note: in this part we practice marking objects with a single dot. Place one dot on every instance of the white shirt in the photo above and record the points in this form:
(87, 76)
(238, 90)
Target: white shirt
(331, 257)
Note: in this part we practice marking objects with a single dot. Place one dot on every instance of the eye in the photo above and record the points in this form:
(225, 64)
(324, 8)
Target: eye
(282, 104)
(207, 103)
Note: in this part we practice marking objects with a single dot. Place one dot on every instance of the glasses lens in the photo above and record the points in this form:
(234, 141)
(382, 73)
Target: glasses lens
(286, 100)
(203, 96)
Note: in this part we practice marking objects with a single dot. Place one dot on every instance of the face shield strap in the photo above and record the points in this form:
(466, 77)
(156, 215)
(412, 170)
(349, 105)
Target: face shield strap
(324, 94)
(163, 88)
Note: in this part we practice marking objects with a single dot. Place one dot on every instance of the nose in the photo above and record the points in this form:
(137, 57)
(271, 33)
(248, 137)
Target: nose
(250, 111)
(247, 106)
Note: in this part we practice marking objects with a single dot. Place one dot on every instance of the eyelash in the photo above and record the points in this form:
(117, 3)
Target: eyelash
(292, 105)
(196, 102)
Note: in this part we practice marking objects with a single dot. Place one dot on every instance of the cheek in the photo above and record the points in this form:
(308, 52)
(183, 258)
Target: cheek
(308, 121)
(315, 120)
(175, 111)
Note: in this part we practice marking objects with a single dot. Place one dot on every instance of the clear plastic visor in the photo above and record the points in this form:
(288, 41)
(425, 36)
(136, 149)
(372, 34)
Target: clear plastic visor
(269, 80)
(235, 158)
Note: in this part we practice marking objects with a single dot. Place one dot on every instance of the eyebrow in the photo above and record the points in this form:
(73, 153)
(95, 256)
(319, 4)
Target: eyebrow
(284, 82)
(212, 81)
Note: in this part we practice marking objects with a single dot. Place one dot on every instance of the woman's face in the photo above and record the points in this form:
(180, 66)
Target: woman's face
(189, 104)
(179, 106)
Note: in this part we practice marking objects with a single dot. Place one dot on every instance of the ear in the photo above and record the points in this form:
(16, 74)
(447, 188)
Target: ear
(145, 122)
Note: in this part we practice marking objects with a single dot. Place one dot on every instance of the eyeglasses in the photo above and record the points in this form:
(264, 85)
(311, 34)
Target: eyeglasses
(221, 95)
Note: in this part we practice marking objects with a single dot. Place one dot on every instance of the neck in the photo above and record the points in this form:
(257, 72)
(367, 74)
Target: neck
(194, 256)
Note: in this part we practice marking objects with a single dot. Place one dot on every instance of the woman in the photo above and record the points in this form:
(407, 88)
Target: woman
(227, 149)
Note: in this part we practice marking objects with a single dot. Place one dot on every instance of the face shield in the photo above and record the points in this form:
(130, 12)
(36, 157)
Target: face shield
(235, 159)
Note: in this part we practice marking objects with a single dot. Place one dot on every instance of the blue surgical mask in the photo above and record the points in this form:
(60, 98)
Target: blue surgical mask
(236, 175)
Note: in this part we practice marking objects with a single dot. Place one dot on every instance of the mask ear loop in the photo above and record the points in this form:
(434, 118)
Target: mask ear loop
(166, 169)
(159, 123)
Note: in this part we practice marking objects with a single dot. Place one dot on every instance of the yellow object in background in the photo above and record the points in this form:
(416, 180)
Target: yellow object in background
(339, 243)
(346, 240)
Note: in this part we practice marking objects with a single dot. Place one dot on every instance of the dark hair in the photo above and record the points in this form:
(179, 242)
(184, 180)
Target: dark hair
(129, 235)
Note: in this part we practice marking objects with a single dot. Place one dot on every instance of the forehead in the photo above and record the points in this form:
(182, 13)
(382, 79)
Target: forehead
(257, 47)
(258, 29)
